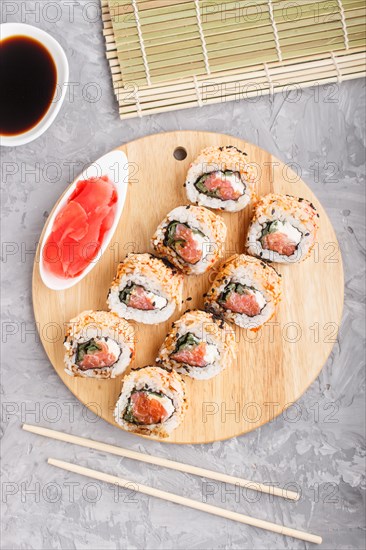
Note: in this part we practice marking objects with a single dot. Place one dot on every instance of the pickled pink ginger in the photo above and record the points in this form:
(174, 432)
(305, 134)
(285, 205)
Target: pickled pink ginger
(79, 228)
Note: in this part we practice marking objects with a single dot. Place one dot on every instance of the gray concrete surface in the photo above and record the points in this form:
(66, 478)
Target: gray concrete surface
(323, 451)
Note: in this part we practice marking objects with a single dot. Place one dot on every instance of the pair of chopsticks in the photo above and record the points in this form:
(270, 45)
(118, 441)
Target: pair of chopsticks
(179, 466)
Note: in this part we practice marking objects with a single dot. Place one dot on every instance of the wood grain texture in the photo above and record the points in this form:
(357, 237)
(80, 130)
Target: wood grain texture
(275, 365)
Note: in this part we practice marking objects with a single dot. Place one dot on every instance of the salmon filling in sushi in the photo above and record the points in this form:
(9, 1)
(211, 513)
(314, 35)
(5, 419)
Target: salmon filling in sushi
(280, 237)
(146, 407)
(97, 353)
(193, 352)
(242, 299)
(138, 297)
(191, 238)
(152, 402)
(226, 186)
(187, 242)
(199, 345)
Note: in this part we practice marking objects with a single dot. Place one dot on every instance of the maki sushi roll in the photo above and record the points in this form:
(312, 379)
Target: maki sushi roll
(245, 292)
(145, 289)
(221, 178)
(98, 344)
(191, 238)
(283, 229)
(198, 345)
(152, 402)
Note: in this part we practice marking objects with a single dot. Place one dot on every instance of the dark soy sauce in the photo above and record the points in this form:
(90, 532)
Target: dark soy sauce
(28, 84)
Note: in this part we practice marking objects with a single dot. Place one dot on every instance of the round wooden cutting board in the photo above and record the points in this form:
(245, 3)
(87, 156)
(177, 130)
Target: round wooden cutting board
(276, 364)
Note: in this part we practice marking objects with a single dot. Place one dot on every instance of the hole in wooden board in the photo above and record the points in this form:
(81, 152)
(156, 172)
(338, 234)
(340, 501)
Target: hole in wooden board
(180, 153)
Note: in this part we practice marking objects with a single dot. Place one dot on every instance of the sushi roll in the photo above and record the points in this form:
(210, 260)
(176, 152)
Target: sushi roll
(283, 229)
(245, 292)
(98, 344)
(152, 402)
(191, 238)
(221, 178)
(145, 289)
(198, 345)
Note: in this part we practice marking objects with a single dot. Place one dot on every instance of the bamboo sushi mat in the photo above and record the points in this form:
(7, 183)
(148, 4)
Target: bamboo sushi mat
(175, 54)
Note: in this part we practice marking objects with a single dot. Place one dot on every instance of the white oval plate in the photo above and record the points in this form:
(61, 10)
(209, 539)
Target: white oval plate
(62, 66)
(115, 166)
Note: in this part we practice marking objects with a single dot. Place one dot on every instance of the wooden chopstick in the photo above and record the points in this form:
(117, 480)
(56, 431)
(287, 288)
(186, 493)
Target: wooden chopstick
(177, 499)
(163, 462)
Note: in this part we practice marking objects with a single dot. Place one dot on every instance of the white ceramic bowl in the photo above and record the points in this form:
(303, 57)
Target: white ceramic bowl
(62, 66)
(115, 166)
